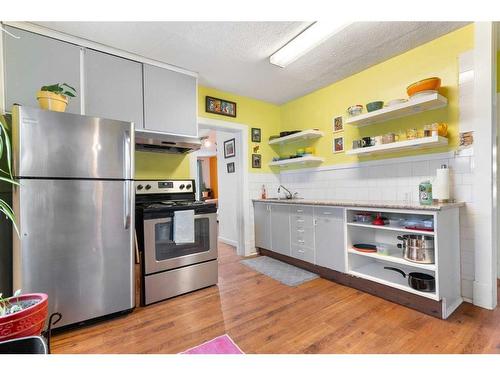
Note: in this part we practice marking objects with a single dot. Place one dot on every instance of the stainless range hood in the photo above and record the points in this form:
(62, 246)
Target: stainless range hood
(146, 140)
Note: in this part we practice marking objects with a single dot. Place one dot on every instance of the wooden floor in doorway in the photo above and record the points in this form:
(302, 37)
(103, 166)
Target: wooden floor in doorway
(264, 316)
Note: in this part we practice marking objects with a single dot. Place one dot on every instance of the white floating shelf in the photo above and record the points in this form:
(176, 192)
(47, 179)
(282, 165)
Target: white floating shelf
(394, 257)
(301, 136)
(388, 227)
(375, 272)
(412, 106)
(304, 160)
(418, 143)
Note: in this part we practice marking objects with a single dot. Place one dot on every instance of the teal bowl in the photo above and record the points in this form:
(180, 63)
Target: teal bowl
(373, 106)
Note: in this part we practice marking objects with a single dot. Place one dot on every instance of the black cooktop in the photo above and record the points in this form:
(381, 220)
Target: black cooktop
(170, 206)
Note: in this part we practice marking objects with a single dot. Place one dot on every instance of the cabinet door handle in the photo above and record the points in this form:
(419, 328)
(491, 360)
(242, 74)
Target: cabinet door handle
(300, 211)
(300, 221)
(300, 230)
(301, 251)
(327, 213)
(301, 241)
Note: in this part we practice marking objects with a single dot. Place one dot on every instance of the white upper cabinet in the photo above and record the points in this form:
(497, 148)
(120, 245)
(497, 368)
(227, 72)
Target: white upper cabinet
(113, 87)
(169, 101)
(34, 61)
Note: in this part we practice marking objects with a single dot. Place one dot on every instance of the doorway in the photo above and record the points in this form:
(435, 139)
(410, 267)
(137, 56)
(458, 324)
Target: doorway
(224, 178)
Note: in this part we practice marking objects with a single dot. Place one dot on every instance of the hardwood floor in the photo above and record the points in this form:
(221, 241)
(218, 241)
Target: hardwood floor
(263, 316)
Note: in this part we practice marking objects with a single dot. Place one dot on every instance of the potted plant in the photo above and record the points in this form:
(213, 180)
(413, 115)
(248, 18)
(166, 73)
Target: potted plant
(20, 315)
(205, 192)
(55, 97)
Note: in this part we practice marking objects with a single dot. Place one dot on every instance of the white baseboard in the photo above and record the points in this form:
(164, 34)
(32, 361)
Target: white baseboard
(228, 241)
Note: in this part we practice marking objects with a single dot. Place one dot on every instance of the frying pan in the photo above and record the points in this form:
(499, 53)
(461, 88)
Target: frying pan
(417, 280)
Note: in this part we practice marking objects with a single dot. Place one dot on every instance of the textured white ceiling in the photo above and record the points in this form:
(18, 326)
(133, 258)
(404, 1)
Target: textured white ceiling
(234, 56)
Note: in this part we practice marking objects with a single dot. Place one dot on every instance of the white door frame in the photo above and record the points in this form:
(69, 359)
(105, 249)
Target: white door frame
(243, 247)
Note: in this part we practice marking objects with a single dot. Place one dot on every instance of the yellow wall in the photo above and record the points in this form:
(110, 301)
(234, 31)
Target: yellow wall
(385, 81)
(251, 112)
(498, 71)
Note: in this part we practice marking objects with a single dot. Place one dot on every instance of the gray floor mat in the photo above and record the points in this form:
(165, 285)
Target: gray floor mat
(280, 271)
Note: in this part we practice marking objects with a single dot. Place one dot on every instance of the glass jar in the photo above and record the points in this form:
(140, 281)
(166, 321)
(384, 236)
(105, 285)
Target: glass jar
(427, 130)
(411, 133)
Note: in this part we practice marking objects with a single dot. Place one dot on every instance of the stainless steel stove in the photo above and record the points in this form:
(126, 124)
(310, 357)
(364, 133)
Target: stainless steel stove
(169, 268)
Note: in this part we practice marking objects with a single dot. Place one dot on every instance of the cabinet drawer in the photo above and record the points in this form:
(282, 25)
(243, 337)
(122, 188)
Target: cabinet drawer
(301, 210)
(333, 213)
(303, 253)
(303, 237)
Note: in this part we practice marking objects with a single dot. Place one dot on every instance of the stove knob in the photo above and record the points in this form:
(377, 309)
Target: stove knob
(181, 186)
(148, 186)
(139, 187)
(188, 186)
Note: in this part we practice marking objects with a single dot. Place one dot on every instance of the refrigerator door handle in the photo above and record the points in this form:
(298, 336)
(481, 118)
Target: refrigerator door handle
(127, 204)
(127, 156)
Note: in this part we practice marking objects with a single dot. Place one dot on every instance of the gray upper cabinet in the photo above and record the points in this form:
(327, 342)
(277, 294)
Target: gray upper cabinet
(262, 219)
(169, 101)
(113, 87)
(34, 61)
(329, 237)
(280, 228)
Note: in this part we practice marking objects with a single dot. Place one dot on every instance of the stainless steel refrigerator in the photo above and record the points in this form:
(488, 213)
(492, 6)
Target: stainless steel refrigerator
(75, 211)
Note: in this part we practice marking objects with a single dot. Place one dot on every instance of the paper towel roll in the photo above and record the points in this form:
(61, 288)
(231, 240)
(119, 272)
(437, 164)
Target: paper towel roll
(441, 187)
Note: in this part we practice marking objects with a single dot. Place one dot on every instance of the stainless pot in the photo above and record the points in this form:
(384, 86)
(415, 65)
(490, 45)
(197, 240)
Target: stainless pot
(417, 248)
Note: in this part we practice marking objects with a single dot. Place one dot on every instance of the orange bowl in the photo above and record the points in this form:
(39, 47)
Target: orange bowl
(433, 83)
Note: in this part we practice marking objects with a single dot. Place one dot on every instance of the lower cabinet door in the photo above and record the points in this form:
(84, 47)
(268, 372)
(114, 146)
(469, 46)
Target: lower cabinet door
(329, 238)
(262, 220)
(303, 253)
(280, 228)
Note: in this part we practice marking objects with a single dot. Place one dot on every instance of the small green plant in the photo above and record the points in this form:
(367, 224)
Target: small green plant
(7, 307)
(61, 89)
(6, 174)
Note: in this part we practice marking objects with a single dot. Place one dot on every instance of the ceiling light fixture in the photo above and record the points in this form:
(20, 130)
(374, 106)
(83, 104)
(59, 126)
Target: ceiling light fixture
(308, 39)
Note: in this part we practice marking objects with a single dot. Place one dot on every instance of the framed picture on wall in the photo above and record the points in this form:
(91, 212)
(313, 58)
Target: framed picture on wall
(230, 167)
(256, 135)
(230, 148)
(338, 124)
(338, 144)
(220, 106)
(256, 161)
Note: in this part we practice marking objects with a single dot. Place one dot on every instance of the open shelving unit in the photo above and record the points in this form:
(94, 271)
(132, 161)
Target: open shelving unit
(411, 144)
(370, 266)
(301, 136)
(394, 257)
(301, 161)
(418, 104)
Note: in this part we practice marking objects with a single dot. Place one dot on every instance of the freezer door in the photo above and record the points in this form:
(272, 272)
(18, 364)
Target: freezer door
(75, 245)
(51, 144)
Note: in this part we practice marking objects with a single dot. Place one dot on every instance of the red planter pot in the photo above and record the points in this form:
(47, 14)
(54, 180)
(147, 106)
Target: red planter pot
(28, 322)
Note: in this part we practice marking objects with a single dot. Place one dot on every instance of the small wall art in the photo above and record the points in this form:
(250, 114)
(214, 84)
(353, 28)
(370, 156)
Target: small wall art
(338, 124)
(230, 148)
(220, 106)
(256, 161)
(338, 144)
(256, 135)
(230, 167)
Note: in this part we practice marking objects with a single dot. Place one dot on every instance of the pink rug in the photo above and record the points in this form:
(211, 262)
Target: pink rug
(219, 345)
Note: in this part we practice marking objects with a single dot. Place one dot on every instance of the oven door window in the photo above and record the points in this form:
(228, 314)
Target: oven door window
(166, 248)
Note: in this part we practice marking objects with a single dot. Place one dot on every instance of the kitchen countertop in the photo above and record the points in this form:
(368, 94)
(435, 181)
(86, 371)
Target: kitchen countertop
(370, 204)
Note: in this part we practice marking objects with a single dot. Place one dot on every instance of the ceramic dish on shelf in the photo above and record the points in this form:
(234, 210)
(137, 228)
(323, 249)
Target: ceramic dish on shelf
(432, 83)
(396, 102)
(373, 106)
(365, 248)
(423, 93)
(355, 110)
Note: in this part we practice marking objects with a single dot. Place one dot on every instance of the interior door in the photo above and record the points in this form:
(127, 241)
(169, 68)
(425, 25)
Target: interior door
(75, 245)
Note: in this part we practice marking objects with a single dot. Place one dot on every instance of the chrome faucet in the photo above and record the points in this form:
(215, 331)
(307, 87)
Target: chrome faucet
(288, 193)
